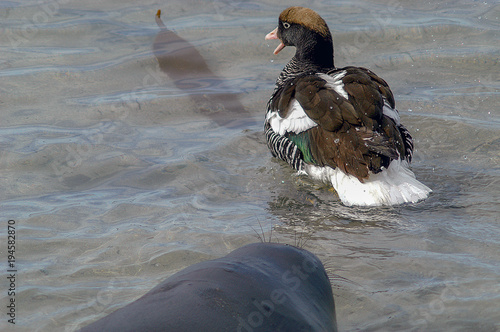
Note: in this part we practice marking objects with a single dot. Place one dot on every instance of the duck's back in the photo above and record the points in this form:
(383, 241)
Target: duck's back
(343, 118)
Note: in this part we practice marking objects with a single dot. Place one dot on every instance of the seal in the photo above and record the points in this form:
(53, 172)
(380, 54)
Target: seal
(258, 287)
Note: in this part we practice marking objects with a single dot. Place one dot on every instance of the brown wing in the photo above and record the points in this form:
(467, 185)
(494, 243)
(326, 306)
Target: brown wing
(353, 134)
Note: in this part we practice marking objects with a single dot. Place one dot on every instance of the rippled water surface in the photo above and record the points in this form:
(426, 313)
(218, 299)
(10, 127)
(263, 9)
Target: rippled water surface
(119, 173)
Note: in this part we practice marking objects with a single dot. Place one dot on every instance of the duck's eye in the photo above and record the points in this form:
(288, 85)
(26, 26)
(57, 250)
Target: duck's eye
(286, 25)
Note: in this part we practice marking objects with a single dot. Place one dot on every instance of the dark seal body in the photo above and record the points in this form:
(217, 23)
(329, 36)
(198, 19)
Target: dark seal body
(258, 287)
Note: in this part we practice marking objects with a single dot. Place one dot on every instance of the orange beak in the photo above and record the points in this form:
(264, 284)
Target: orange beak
(274, 35)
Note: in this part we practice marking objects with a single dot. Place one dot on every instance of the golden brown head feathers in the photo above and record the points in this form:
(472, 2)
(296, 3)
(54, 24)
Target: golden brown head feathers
(306, 17)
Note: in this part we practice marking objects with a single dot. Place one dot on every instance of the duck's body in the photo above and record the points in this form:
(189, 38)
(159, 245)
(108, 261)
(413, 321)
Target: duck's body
(338, 125)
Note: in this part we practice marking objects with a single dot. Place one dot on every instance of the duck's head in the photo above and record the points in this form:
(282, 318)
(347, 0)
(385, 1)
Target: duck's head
(308, 32)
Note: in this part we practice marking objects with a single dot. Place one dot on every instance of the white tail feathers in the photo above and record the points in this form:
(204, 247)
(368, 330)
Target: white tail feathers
(392, 186)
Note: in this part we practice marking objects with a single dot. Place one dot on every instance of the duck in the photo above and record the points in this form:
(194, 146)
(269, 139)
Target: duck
(337, 125)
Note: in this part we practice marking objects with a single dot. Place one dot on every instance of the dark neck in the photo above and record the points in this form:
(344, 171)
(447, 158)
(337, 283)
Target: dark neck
(315, 55)
(317, 51)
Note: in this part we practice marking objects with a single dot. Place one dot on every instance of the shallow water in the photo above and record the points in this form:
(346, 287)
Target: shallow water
(117, 178)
